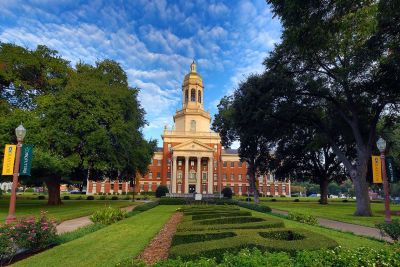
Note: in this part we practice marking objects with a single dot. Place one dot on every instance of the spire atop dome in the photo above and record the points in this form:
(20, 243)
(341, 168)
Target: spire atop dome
(193, 66)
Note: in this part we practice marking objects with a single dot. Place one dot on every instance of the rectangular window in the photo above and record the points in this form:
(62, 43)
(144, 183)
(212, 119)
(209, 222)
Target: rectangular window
(158, 162)
(158, 175)
(224, 164)
(204, 163)
(204, 187)
(239, 177)
(204, 177)
(224, 176)
(215, 177)
(179, 177)
(150, 175)
(215, 164)
(192, 163)
(276, 188)
(247, 177)
(215, 188)
(232, 164)
(232, 177)
(240, 164)
(169, 162)
(168, 175)
(179, 162)
(120, 186)
(142, 187)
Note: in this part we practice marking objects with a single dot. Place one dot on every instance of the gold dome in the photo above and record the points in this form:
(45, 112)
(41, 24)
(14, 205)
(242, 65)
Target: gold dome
(193, 77)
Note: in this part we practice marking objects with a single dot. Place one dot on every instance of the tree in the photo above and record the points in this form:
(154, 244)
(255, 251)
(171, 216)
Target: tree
(237, 119)
(345, 55)
(227, 192)
(304, 155)
(161, 191)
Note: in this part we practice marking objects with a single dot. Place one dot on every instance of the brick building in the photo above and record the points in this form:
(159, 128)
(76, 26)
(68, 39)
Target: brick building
(192, 158)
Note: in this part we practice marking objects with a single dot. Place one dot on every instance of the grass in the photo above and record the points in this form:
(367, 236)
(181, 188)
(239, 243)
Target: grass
(107, 246)
(69, 210)
(346, 240)
(335, 210)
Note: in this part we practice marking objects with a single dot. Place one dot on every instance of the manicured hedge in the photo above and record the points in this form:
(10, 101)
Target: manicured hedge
(146, 206)
(251, 238)
(259, 208)
(172, 201)
(210, 231)
(191, 201)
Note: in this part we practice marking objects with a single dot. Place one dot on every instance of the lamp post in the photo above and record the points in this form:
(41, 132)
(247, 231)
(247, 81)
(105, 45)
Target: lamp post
(381, 144)
(20, 132)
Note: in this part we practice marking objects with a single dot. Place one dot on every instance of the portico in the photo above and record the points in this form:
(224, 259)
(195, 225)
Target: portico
(192, 168)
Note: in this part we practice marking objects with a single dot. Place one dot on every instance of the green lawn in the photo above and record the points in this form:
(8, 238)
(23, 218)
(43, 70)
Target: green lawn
(69, 210)
(335, 210)
(107, 246)
(346, 240)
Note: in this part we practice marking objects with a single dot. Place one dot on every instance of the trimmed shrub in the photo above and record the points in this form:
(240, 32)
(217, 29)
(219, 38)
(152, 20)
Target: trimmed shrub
(220, 215)
(202, 237)
(108, 215)
(103, 197)
(29, 190)
(282, 235)
(273, 200)
(90, 198)
(252, 206)
(161, 191)
(308, 219)
(41, 197)
(66, 197)
(114, 198)
(227, 192)
(296, 200)
(391, 229)
(123, 193)
(345, 200)
(172, 201)
(146, 206)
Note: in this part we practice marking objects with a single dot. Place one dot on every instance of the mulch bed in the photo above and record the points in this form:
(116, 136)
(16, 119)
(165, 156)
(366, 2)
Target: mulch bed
(158, 247)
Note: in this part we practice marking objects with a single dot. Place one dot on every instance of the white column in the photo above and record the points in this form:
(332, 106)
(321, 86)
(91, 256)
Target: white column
(173, 176)
(198, 175)
(210, 176)
(186, 175)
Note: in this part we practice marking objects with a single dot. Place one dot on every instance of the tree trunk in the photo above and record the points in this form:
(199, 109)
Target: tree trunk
(323, 188)
(359, 176)
(252, 182)
(53, 187)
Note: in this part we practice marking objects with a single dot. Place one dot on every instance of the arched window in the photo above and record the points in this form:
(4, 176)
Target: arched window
(193, 125)
(199, 97)
(193, 95)
(186, 96)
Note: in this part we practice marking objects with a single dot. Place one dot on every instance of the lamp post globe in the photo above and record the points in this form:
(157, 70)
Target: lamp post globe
(381, 144)
(20, 132)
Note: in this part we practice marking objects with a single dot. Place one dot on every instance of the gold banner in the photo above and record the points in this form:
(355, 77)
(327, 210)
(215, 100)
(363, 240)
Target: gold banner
(376, 169)
(9, 158)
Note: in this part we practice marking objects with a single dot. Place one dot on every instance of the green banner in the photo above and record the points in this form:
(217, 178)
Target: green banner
(390, 169)
(26, 160)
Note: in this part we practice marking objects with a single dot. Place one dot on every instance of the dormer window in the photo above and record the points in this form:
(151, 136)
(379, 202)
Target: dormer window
(186, 96)
(199, 97)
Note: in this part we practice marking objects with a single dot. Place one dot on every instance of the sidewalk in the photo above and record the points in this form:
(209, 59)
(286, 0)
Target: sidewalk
(71, 225)
(347, 227)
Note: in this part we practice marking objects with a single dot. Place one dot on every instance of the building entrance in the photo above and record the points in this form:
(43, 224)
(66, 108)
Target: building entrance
(192, 188)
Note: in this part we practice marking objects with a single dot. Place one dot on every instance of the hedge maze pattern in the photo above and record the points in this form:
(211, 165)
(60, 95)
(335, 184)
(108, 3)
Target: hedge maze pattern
(209, 231)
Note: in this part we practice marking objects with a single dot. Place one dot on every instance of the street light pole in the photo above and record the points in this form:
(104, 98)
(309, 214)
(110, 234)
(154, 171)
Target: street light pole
(381, 144)
(20, 133)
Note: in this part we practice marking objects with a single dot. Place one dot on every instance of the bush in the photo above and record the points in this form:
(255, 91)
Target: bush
(296, 200)
(103, 197)
(146, 206)
(66, 197)
(41, 197)
(114, 198)
(345, 200)
(308, 219)
(27, 233)
(251, 206)
(172, 201)
(391, 229)
(273, 200)
(108, 215)
(123, 193)
(161, 191)
(90, 198)
(227, 192)
(29, 190)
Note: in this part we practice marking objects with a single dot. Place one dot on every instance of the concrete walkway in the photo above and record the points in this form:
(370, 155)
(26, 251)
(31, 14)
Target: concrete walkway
(347, 227)
(71, 225)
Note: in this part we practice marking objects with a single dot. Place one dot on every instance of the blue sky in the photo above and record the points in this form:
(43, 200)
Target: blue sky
(155, 42)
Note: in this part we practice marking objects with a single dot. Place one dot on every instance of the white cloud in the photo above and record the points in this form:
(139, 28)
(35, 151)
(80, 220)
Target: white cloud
(218, 9)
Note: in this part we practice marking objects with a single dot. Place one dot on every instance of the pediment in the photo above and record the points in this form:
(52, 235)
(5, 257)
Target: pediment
(193, 145)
